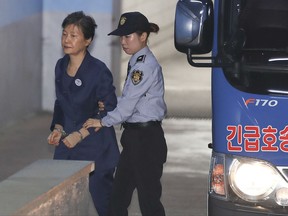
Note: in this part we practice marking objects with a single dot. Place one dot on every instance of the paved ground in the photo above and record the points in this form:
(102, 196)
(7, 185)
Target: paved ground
(185, 174)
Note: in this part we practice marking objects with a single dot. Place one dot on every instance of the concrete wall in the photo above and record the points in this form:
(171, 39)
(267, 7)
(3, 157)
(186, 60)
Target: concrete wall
(20, 59)
(46, 188)
(160, 12)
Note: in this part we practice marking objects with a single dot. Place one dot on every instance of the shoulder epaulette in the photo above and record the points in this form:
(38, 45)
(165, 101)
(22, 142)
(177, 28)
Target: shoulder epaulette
(141, 58)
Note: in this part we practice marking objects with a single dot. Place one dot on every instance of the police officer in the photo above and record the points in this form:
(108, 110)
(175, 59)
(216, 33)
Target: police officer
(140, 109)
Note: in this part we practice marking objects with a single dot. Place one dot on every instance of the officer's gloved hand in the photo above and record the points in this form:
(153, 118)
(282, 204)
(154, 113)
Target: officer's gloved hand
(75, 137)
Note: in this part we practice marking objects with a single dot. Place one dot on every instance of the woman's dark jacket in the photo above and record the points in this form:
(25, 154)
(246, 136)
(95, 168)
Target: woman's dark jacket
(77, 102)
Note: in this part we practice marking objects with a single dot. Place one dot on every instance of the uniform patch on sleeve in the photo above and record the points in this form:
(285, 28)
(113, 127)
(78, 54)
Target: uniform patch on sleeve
(136, 77)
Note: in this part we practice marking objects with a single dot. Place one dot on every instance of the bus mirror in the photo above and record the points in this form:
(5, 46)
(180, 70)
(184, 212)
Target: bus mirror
(193, 27)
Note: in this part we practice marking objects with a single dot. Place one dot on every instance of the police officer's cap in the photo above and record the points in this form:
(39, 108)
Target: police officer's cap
(131, 22)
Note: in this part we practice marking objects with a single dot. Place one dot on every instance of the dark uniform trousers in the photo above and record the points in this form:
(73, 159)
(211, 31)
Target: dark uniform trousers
(140, 166)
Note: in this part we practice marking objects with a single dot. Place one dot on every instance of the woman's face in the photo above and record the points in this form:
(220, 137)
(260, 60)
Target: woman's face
(133, 43)
(73, 41)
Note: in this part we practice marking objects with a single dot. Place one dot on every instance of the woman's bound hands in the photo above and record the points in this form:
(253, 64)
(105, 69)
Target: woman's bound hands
(55, 136)
(71, 140)
(75, 137)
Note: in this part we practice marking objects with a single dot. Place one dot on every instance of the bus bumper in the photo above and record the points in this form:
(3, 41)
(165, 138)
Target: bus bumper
(217, 207)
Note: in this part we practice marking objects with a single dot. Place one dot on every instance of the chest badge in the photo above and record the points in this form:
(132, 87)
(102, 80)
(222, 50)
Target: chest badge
(136, 77)
(78, 82)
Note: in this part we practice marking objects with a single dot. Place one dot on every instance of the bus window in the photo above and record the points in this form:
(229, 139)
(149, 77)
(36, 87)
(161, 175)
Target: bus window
(255, 36)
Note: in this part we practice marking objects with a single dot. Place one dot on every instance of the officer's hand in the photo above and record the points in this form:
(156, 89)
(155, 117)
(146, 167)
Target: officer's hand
(96, 123)
(54, 137)
(72, 139)
(101, 106)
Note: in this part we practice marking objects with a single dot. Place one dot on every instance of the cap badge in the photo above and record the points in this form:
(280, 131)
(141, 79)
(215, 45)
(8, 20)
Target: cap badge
(122, 20)
(136, 77)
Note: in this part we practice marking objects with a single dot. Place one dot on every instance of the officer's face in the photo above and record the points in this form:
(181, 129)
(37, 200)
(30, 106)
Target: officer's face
(73, 41)
(133, 43)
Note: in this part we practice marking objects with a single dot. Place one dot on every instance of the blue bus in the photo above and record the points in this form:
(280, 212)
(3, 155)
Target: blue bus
(245, 42)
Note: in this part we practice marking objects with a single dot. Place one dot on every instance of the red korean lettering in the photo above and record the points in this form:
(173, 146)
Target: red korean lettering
(284, 139)
(235, 131)
(269, 139)
(251, 139)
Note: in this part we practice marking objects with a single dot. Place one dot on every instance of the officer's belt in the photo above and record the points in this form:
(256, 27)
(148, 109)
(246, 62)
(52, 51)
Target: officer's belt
(140, 124)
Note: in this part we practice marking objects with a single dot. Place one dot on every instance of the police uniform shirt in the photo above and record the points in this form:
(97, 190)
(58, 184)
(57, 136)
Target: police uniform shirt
(142, 98)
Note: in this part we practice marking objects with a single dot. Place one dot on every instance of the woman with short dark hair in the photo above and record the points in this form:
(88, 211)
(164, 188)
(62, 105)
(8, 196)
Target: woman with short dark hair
(82, 81)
